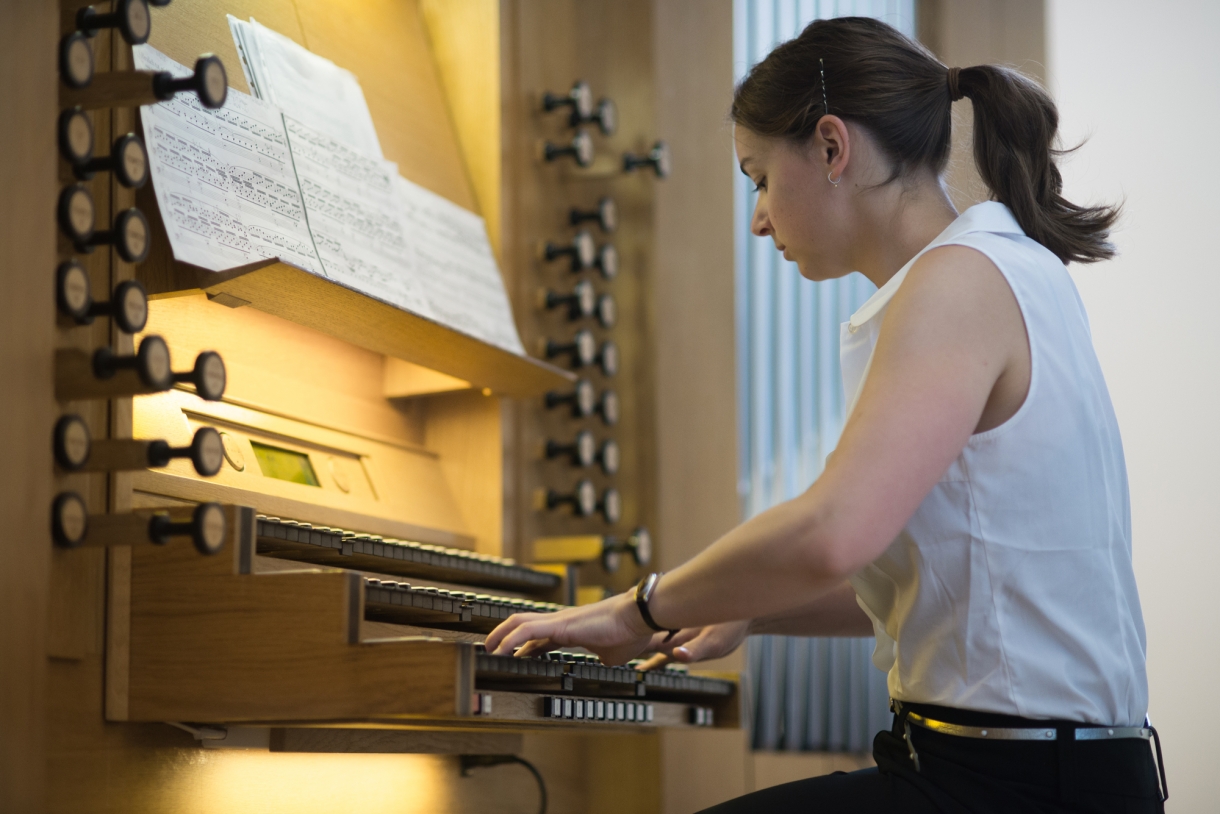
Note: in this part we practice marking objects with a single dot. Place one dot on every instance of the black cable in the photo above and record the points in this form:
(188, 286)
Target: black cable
(469, 762)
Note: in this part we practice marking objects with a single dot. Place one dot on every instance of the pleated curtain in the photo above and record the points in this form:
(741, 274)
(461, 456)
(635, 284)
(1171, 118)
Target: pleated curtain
(807, 694)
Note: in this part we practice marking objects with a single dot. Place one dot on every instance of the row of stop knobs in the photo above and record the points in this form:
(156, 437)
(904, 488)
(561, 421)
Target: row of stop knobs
(104, 374)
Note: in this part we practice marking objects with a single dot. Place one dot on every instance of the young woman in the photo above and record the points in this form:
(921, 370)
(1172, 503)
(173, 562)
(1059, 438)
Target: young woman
(974, 516)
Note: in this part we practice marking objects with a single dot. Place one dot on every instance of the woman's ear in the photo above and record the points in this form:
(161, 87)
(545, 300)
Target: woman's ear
(832, 143)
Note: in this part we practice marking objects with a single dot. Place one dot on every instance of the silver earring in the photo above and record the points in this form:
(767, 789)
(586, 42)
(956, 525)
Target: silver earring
(833, 181)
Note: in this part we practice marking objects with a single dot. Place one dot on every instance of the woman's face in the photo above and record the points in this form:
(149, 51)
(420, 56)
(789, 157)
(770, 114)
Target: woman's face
(798, 207)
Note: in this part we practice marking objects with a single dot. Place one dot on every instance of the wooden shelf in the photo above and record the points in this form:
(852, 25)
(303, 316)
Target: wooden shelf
(327, 306)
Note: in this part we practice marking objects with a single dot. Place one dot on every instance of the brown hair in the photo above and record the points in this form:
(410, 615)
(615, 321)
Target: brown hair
(865, 72)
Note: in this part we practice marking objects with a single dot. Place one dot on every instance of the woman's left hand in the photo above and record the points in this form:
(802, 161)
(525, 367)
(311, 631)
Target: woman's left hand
(612, 628)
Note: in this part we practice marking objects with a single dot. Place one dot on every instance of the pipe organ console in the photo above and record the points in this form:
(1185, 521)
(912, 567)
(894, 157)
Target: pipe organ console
(346, 488)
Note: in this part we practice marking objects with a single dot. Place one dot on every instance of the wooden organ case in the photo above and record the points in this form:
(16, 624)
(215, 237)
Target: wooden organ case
(390, 489)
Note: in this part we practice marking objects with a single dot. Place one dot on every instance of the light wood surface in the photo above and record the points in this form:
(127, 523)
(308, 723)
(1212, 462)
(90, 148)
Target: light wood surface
(465, 40)
(316, 302)
(112, 89)
(27, 259)
(390, 741)
(464, 429)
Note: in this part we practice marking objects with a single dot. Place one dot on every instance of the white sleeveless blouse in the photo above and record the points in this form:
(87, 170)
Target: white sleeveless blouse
(1011, 589)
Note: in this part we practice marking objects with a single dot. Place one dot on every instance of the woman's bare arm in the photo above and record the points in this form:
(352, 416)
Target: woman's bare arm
(951, 331)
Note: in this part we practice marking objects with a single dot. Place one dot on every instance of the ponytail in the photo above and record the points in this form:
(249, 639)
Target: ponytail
(1015, 123)
(864, 71)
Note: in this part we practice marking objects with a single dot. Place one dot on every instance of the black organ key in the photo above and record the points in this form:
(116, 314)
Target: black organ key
(580, 148)
(605, 215)
(130, 17)
(128, 305)
(128, 161)
(579, 99)
(657, 158)
(582, 251)
(74, 132)
(134, 88)
(75, 60)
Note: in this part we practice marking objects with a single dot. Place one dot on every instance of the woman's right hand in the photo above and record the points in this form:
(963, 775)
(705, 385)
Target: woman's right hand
(697, 644)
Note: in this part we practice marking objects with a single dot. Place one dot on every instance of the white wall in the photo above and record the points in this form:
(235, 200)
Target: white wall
(1142, 81)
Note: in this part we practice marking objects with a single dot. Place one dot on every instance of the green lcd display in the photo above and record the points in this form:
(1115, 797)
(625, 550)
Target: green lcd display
(284, 464)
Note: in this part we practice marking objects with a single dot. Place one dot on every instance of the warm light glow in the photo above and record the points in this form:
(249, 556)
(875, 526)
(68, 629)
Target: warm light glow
(253, 782)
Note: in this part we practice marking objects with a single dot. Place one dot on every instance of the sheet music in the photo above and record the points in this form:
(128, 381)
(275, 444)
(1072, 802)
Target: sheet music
(457, 267)
(309, 88)
(353, 215)
(223, 178)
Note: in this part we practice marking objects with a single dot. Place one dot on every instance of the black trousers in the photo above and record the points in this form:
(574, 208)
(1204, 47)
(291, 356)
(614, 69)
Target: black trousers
(958, 775)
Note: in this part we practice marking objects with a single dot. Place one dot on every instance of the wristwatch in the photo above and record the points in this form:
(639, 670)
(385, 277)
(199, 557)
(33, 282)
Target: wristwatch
(643, 592)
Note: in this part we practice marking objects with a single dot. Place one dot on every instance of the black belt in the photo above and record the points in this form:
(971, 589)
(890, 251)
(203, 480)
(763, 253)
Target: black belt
(1027, 733)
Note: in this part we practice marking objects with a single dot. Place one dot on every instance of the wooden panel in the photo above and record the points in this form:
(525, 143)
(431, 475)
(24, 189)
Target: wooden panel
(326, 306)
(390, 741)
(464, 429)
(465, 41)
(273, 647)
(27, 322)
(384, 43)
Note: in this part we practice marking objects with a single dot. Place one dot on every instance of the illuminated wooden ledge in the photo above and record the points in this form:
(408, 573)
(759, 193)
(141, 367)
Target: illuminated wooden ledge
(327, 306)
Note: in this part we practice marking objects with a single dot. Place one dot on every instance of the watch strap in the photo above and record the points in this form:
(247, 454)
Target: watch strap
(643, 592)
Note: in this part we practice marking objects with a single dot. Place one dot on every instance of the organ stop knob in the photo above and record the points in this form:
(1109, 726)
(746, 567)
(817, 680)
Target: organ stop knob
(128, 306)
(75, 60)
(73, 527)
(130, 17)
(605, 116)
(582, 250)
(75, 136)
(605, 215)
(583, 302)
(133, 88)
(588, 547)
(580, 148)
(128, 160)
(585, 351)
(76, 451)
(584, 451)
(657, 158)
(585, 502)
(579, 99)
(607, 261)
(585, 402)
(130, 235)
